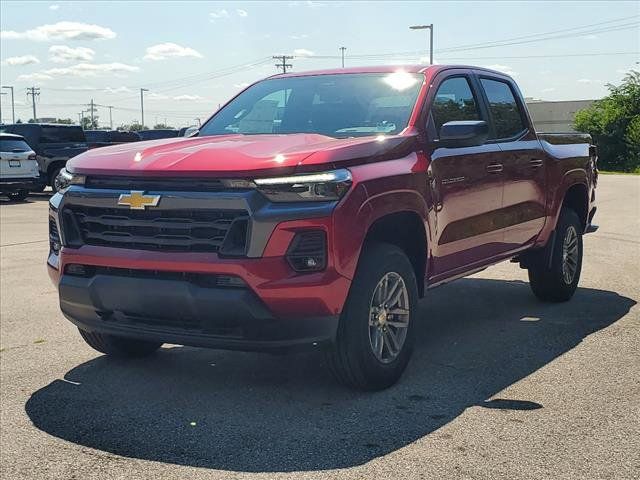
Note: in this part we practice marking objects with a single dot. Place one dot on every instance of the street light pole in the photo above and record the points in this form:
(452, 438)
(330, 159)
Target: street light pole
(13, 105)
(342, 49)
(424, 27)
(142, 90)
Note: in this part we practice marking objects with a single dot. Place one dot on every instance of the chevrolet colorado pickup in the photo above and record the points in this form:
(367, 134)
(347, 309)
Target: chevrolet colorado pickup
(315, 209)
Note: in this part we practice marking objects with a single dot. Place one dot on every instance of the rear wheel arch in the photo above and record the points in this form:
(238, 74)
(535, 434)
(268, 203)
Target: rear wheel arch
(576, 197)
(406, 230)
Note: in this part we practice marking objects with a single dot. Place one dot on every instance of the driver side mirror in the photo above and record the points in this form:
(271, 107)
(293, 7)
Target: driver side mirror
(191, 132)
(463, 133)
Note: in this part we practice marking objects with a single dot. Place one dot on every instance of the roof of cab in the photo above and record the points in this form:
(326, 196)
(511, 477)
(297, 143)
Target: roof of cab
(384, 69)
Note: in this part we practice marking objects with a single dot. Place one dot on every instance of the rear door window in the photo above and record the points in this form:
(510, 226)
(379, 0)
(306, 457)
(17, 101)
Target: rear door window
(454, 101)
(54, 134)
(505, 111)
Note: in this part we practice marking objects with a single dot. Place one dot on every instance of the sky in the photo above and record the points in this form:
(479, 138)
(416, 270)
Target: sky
(193, 56)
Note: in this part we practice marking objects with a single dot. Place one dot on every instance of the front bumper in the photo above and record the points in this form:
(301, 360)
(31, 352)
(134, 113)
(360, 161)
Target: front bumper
(185, 311)
(276, 308)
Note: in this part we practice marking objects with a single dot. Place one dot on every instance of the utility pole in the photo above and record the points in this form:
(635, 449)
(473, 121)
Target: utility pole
(92, 108)
(80, 114)
(1, 93)
(110, 117)
(342, 50)
(424, 27)
(198, 120)
(34, 92)
(142, 90)
(13, 105)
(284, 65)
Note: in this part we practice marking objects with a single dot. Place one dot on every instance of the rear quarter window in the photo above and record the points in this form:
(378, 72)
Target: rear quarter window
(505, 111)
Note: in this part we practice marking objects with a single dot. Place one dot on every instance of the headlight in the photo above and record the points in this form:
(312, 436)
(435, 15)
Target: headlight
(65, 179)
(312, 187)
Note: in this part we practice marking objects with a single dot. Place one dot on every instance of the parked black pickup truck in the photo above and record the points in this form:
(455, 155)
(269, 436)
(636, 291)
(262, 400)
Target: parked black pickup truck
(54, 144)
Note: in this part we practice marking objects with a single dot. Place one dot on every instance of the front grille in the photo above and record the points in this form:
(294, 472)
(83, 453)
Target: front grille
(166, 230)
(156, 184)
(54, 236)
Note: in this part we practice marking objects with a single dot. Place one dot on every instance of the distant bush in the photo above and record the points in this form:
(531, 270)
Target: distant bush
(614, 124)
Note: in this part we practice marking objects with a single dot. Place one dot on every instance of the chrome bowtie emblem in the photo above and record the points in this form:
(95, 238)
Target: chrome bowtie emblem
(137, 200)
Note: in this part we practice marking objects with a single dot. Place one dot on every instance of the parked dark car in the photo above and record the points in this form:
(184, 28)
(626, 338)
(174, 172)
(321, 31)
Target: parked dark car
(54, 144)
(158, 134)
(104, 138)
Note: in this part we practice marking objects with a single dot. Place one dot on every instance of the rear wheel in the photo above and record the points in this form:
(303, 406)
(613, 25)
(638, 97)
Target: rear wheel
(377, 326)
(557, 281)
(119, 346)
(18, 195)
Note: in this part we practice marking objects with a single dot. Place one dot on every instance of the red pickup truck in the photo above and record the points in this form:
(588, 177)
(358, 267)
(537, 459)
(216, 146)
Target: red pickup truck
(316, 209)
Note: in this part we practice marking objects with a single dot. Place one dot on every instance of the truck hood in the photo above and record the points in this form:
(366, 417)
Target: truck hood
(231, 155)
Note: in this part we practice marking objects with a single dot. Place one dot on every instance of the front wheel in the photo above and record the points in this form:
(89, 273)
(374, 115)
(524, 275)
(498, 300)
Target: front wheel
(557, 281)
(53, 179)
(377, 327)
(119, 346)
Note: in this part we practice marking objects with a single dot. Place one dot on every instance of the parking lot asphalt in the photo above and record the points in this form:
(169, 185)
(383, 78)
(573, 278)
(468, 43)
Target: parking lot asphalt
(500, 385)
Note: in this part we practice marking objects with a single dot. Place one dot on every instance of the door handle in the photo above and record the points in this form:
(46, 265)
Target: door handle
(495, 168)
(535, 163)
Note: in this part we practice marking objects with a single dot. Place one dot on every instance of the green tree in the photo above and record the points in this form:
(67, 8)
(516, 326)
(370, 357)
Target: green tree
(87, 124)
(161, 126)
(614, 124)
(134, 127)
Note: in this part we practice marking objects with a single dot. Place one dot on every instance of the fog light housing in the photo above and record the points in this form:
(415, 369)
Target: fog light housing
(308, 251)
(79, 270)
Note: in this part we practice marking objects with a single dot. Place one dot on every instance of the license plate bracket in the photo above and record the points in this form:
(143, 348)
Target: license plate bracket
(14, 163)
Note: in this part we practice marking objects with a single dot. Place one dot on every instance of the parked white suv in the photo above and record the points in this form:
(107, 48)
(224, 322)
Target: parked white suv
(19, 171)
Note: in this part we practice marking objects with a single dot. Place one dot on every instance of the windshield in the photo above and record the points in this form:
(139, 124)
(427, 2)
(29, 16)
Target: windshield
(344, 105)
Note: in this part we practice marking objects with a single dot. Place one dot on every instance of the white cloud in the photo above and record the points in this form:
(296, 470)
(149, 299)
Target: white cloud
(162, 51)
(585, 80)
(218, 14)
(590, 37)
(241, 85)
(118, 90)
(547, 90)
(299, 37)
(242, 13)
(188, 98)
(34, 76)
(309, 4)
(62, 54)
(303, 52)
(90, 70)
(502, 68)
(156, 96)
(54, 7)
(81, 88)
(61, 31)
(23, 60)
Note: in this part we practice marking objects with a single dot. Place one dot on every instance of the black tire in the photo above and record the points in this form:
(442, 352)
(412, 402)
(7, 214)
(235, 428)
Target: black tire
(18, 196)
(52, 178)
(549, 282)
(119, 346)
(351, 358)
